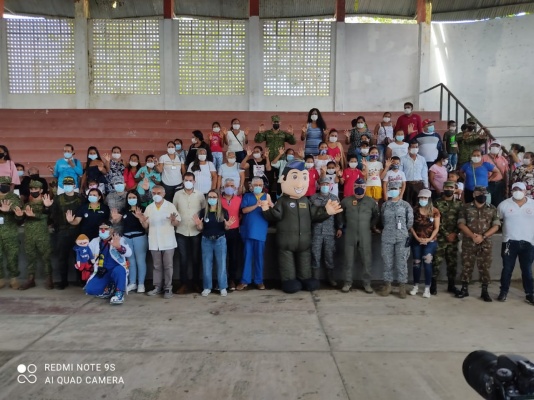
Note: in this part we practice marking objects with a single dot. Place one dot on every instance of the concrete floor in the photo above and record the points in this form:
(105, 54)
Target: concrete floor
(255, 345)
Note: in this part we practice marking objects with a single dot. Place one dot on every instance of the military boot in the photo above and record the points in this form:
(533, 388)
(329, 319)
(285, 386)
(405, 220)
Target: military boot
(330, 277)
(2, 283)
(463, 292)
(484, 295)
(451, 288)
(49, 283)
(14, 283)
(385, 290)
(433, 287)
(402, 290)
(30, 282)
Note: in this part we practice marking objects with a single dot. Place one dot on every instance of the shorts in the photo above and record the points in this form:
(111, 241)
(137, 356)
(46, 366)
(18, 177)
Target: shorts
(374, 191)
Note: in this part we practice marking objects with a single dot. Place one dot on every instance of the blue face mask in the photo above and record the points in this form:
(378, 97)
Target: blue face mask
(212, 202)
(92, 199)
(322, 152)
(67, 154)
(103, 235)
(257, 190)
(68, 188)
(229, 191)
(92, 156)
(290, 157)
(178, 147)
(325, 189)
(399, 138)
(393, 193)
(423, 203)
(431, 129)
(119, 187)
(132, 202)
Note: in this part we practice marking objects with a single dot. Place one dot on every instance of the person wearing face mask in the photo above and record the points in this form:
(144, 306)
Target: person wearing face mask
(375, 174)
(478, 221)
(148, 172)
(279, 162)
(313, 175)
(236, 139)
(313, 132)
(476, 173)
(430, 144)
(130, 171)
(36, 236)
(350, 175)
(171, 168)
(425, 231)
(257, 164)
(108, 280)
(8, 167)
(197, 143)
(470, 140)
(65, 233)
(323, 243)
(231, 170)
(115, 166)
(498, 182)
(449, 208)
(450, 144)
(355, 136)
(335, 148)
(181, 153)
(9, 223)
(254, 233)
(94, 170)
(33, 175)
(231, 202)
(384, 134)
(135, 237)
(437, 175)
(189, 202)
(517, 216)
(20, 173)
(275, 138)
(67, 167)
(416, 171)
(332, 172)
(205, 174)
(216, 139)
(323, 158)
(397, 148)
(116, 200)
(393, 174)
(90, 215)
(409, 123)
(363, 156)
(525, 174)
(359, 218)
(397, 219)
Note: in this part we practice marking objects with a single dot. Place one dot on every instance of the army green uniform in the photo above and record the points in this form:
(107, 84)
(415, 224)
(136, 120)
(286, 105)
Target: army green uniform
(449, 210)
(274, 140)
(37, 238)
(471, 141)
(479, 221)
(9, 241)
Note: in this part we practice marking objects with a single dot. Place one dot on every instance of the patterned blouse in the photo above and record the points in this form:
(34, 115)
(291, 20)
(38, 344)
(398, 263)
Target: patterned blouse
(423, 225)
(356, 139)
(522, 174)
(116, 169)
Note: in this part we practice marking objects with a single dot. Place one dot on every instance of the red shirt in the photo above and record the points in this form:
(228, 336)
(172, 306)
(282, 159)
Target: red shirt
(215, 142)
(405, 121)
(350, 176)
(312, 186)
(129, 179)
(232, 206)
(333, 152)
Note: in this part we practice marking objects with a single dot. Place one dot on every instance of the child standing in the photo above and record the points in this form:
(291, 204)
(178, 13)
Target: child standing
(375, 174)
(216, 143)
(393, 174)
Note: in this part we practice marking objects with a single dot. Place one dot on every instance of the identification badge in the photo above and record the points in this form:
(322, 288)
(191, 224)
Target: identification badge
(86, 215)
(399, 225)
(292, 205)
(302, 205)
(1, 220)
(173, 167)
(354, 202)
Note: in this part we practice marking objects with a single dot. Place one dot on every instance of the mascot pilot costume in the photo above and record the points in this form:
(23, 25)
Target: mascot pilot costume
(294, 215)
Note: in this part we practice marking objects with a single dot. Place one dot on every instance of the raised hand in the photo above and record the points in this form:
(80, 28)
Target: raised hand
(50, 168)
(196, 219)
(300, 152)
(173, 218)
(247, 130)
(106, 157)
(139, 215)
(337, 158)
(323, 170)
(5, 205)
(266, 152)
(290, 129)
(47, 201)
(261, 129)
(18, 212)
(281, 150)
(389, 161)
(249, 152)
(411, 128)
(116, 241)
(333, 207)
(304, 129)
(347, 133)
(29, 212)
(145, 185)
(69, 216)
(224, 131)
(230, 221)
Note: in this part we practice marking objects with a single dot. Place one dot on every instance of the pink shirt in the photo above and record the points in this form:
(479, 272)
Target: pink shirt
(9, 169)
(440, 176)
(232, 206)
(500, 162)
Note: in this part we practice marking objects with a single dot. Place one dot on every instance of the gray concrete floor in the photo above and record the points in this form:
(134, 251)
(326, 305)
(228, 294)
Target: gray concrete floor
(255, 344)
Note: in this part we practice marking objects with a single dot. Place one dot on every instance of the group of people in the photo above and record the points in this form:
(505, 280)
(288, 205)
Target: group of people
(213, 203)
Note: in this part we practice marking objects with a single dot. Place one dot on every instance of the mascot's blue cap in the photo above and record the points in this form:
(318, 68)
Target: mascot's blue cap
(360, 181)
(293, 165)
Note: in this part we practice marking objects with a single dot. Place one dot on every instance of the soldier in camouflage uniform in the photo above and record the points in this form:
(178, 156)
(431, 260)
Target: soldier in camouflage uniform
(478, 221)
(9, 241)
(470, 140)
(36, 236)
(449, 209)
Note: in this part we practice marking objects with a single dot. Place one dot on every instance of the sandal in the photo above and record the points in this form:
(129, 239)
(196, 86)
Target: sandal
(260, 286)
(241, 286)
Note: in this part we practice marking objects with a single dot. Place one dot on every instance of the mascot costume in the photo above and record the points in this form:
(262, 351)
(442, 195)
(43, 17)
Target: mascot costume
(294, 215)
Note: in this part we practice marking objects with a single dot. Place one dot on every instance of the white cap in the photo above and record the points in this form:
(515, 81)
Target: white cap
(496, 142)
(519, 185)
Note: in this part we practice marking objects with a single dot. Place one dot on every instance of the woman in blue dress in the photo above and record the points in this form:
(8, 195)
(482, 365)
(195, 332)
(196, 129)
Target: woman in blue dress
(313, 132)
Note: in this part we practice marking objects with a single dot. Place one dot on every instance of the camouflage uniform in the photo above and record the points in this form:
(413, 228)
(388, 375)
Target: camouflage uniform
(478, 220)
(449, 210)
(323, 234)
(9, 242)
(37, 236)
(274, 140)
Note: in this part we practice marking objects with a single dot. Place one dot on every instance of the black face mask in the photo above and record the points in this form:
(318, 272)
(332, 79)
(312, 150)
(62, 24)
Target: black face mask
(480, 199)
(2, 155)
(395, 167)
(4, 188)
(35, 194)
(34, 176)
(359, 191)
(276, 126)
(448, 193)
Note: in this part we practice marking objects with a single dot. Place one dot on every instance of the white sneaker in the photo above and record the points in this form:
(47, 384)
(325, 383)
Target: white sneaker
(224, 293)
(426, 293)
(131, 286)
(205, 292)
(157, 290)
(140, 288)
(415, 290)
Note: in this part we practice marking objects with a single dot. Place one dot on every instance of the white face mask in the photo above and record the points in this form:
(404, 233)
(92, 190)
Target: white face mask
(116, 156)
(216, 129)
(236, 127)
(407, 110)
(364, 151)
(331, 171)
(308, 165)
(256, 155)
(386, 119)
(445, 163)
(414, 151)
(194, 140)
(495, 150)
(150, 164)
(526, 161)
(134, 163)
(171, 150)
(314, 117)
(231, 160)
(333, 139)
(476, 159)
(518, 195)
(360, 125)
(188, 185)
(353, 165)
(202, 157)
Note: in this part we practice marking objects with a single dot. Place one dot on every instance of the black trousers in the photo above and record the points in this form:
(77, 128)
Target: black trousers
(234, 246)
(65, 241)
(189, 249)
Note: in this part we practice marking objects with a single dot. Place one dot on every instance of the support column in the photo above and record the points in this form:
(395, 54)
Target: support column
(168, 9)
(424, 18)
(81, 51)
(340, 67)
(340, 11)
(254, 63)
(4, 77)
(169, 79)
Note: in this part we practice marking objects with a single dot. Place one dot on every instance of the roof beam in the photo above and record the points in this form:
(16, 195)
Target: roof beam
(168, 9)
(340, 11)
(254, 8)
(424, 11)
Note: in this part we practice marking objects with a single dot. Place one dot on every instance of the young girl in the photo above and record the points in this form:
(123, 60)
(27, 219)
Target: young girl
(333, 173)
(393, 174)
(351, 175)
(398, 148)
(149, 172)
(437, 175)
(213, 222)
(335, 149)
(384, 134)
(94, 170)
(130, 171)
(375, 174)
(323, 158)
(313, 175)
(280, 162)
(216, 138)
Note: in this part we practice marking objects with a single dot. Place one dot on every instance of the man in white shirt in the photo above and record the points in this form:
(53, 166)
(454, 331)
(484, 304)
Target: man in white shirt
(517, 214)
(189, 202)
(416, 171)
(160, 218)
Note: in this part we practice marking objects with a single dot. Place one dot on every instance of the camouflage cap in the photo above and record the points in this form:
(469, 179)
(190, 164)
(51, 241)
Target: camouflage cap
(481, 189)
(471, 120)
(449, 184)
(324, 179)
(35, 185)
(68, 180)
(117, 179)
(5, 180)
(275, 118)
(394, 184)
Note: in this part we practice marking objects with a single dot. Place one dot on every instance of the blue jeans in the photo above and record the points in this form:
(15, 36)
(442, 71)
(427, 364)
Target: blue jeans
(424, 254)
(217, 159)
(453, 160)
(139, 246)
(254, 250)
(381, 151)
(510, 251)
(211, 248)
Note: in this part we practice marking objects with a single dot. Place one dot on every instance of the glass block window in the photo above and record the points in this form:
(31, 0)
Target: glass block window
(126, 57)
(296, 58)
(211, 57)
(40, 56)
